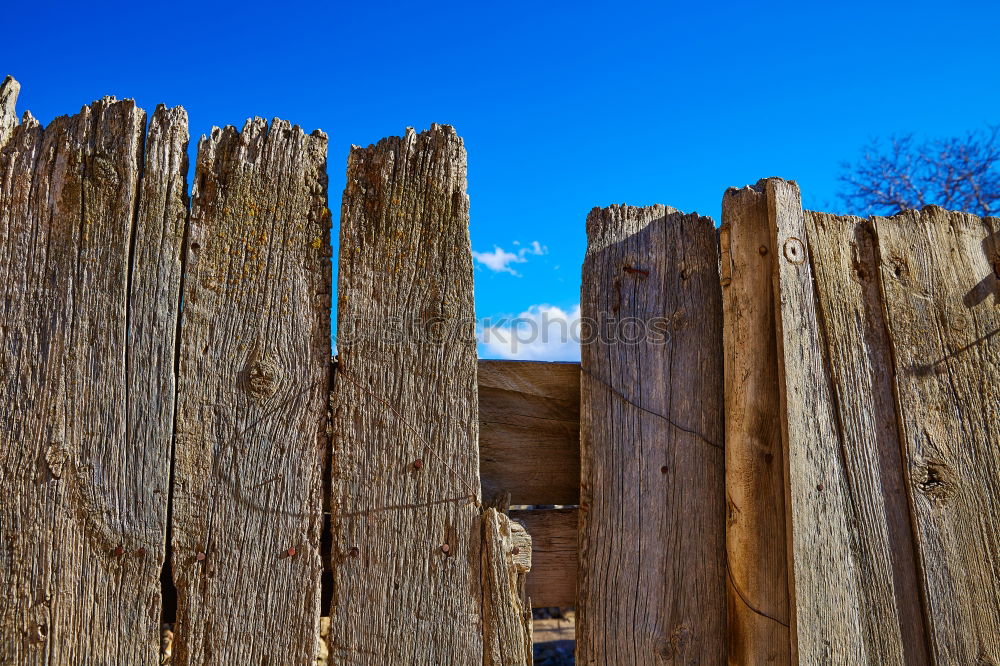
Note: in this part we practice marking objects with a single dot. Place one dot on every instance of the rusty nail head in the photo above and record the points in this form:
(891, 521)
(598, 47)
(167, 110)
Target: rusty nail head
(119, 551)
(354, 551)
(418, 464)
(664, 469)
(200, 557)
(140, 551)
(516, 550)
(445, 548)
(290, 552)
(819, 487)
(762, 250)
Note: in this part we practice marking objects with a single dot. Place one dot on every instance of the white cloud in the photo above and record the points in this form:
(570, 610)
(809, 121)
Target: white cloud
(540, 333)
(499, 260)
(534, 248)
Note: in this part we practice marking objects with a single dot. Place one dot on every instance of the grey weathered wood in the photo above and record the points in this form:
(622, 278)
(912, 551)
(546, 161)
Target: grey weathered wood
(939, 273)
(529, 431)
(8, 111)
(85, 449)
(757, 576)
(652, 544)
(253, 390)
(555, 555)
(506, 615)
(859, 368)
(406, 537)
(829, 624)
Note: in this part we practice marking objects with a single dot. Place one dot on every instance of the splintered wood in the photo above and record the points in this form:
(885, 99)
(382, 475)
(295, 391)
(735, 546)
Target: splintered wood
(91, 221)
(253, 390)
(652, 579)
(405, 479)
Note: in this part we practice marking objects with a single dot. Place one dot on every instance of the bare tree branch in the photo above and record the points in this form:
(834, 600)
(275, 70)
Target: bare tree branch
(959, 173)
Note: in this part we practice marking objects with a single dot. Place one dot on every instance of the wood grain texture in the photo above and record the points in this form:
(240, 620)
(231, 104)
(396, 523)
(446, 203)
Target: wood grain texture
(858, 361)
(406, 537)
(253, 389)
(506, 615)
(652, 544)
(85, 455)
(529, 431)
(757, 576)
(555, 555)
(829, 622)
(9, 90)
(939, 273)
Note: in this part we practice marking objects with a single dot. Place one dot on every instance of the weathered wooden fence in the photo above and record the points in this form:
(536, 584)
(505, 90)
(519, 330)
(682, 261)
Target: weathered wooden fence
(781, 445)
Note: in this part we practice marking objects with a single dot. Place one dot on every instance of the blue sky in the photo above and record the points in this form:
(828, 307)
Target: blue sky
(563, 106)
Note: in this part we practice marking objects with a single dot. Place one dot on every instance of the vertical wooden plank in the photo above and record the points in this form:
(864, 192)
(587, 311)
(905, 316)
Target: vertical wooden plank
(939, 273)
(253, 387)
(84, 482)
(506, 613)
(405, 483)
(829, 623)
(652, 497)
(856, 346)
(757, 575)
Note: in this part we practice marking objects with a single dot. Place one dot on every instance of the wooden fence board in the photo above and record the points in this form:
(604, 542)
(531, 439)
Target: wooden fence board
(554, 555)
(529, 431)
(828, 596)
(652, 581)
(756, 544)
(83, 488)
(406, 534)
(939, 274)
(253, 390)
(859, 369)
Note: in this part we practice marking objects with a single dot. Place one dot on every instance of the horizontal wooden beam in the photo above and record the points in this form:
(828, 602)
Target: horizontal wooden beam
(529, 431)
(552, 578)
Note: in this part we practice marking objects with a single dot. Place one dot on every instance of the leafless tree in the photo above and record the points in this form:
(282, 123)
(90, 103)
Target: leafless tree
(958, 173)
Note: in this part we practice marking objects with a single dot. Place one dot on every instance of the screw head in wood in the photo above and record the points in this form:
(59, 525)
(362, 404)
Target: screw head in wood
(418, 464)
(445, 548)
(664, 469)
(762, 250)
(819, 486)
(795, 251)
(354, 552)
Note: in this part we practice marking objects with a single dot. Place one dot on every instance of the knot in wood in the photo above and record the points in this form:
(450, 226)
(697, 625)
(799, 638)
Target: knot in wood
(935, 479)
(261, 377)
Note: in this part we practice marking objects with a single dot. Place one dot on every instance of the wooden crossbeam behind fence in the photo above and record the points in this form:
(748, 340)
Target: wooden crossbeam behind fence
(797, 466)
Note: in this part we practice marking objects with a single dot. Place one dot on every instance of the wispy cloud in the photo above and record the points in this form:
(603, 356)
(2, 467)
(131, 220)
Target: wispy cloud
(540, 333)
(500, 261)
